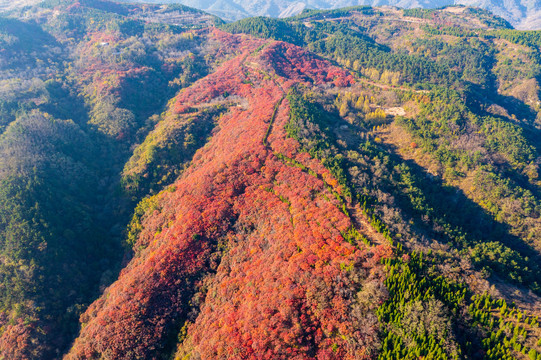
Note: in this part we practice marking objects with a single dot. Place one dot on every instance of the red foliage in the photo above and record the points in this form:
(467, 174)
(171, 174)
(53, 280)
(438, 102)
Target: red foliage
(285, 285)
(22, 340)
(74, 5)
(295, 63)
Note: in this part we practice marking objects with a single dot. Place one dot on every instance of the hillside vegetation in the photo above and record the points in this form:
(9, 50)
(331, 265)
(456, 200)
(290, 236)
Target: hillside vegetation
(359, 183)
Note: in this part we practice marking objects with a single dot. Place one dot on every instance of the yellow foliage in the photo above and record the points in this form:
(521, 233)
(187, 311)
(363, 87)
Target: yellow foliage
(344, 109)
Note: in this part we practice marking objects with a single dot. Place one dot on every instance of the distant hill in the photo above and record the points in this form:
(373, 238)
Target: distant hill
(522, 14)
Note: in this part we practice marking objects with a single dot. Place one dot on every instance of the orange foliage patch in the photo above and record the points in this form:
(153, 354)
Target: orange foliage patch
(262, 238)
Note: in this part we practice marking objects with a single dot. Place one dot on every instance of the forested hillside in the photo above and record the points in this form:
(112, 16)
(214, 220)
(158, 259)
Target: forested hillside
(79, 84)
(359, 183)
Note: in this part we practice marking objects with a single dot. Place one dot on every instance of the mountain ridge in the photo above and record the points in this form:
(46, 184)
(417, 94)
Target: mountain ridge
(522, 14)
(257, 162)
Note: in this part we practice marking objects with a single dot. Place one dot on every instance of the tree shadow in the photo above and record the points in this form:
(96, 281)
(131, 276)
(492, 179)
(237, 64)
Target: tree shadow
(466, 218)
(452, 218)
